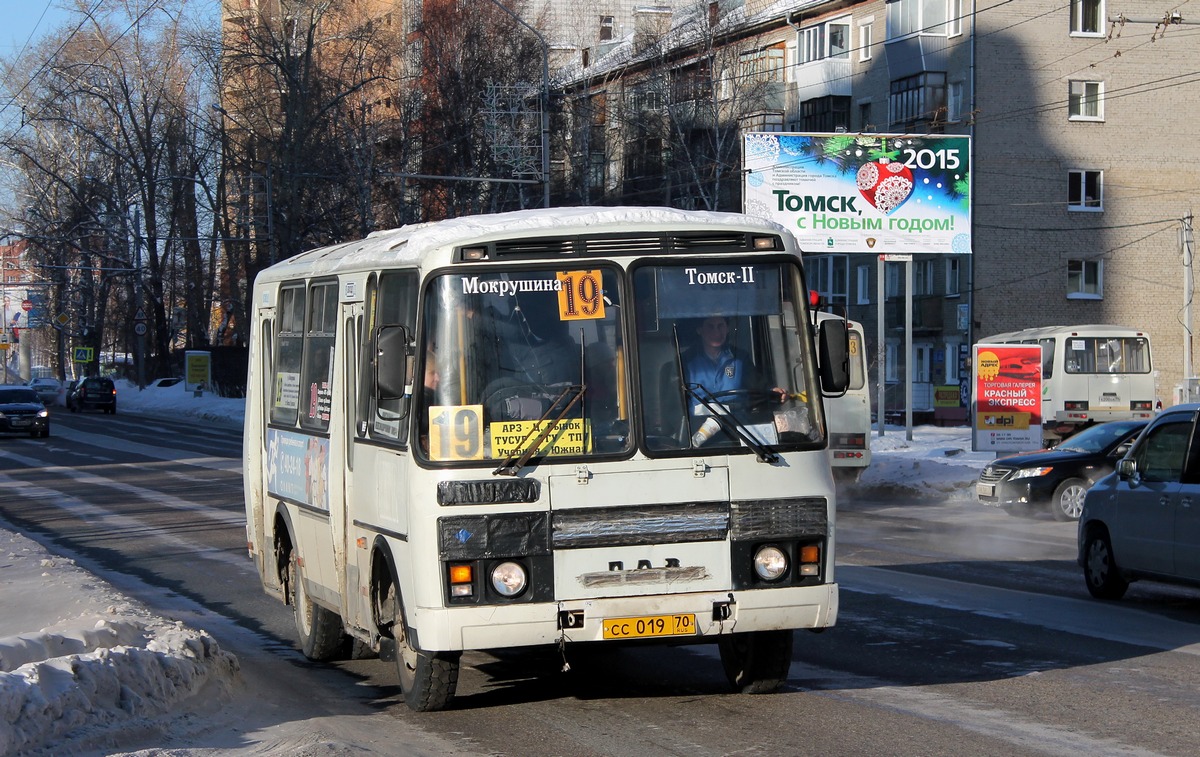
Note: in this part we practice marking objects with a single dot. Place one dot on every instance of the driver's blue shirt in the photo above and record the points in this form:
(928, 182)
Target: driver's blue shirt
(726, 373)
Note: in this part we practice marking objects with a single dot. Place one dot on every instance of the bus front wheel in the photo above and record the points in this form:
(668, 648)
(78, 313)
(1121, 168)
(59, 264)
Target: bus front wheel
(428, 679)
(319, 630)
(756, 662)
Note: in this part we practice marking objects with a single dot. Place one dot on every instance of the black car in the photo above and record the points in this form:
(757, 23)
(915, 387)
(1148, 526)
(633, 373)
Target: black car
(1059, 477)
(21, 412)
(92, 393)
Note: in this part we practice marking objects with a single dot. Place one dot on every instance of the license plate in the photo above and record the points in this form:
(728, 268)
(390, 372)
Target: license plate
(985, 490)
(649, 626)
(20, 421)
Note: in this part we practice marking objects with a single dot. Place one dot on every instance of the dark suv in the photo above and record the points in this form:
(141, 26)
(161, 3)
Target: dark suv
(94, 393)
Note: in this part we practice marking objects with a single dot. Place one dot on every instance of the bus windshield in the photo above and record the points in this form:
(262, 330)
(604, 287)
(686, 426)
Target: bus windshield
(512, 354)
(724, 340)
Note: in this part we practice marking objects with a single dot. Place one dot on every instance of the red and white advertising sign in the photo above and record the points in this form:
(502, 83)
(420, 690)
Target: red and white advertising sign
(1008, 397)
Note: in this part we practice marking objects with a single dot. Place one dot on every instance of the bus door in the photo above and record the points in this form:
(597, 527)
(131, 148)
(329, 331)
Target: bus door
(262, 373)
(342, 454)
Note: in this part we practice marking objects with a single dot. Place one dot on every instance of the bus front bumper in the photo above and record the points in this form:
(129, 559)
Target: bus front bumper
(630, 618)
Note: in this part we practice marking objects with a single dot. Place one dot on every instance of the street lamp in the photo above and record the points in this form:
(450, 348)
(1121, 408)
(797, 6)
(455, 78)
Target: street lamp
(545, 101)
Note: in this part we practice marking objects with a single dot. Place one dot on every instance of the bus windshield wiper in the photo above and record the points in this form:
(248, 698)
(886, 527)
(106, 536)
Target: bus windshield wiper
(513, 464)
(730, 423)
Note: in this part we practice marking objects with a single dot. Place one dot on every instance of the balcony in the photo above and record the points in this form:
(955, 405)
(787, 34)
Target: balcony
(821, 78)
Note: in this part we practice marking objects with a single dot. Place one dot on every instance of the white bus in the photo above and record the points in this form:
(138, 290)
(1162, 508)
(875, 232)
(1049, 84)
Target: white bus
(850, 414)
(479, 434)
(1090, 374)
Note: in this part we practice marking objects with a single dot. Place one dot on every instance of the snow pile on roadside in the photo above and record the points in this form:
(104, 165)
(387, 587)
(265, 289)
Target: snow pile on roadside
(936, 462)
(102, 666)
(175, 401)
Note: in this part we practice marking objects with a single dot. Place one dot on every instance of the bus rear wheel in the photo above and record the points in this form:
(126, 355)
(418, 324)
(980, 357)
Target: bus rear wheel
(756, 662)
(319, 630)
(428, 679)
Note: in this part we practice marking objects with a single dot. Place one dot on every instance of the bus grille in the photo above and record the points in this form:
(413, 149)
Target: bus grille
(780, 518)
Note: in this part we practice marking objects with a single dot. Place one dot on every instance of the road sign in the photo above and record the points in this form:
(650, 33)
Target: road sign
(81, 354)
(62, 319)
(140, 315)
(27, 305)
(139, 329)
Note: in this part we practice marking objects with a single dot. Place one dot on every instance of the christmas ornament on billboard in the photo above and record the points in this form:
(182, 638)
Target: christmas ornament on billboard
(885, 184)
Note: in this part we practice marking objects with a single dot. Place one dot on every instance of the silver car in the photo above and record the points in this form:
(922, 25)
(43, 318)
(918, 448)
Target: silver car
(47, 389)
(1143, 521)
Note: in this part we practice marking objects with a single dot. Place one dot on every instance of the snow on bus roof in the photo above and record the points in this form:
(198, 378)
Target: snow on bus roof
(406, 243)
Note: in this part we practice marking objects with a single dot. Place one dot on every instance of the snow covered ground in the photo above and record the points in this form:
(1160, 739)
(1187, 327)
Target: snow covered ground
(82, 664)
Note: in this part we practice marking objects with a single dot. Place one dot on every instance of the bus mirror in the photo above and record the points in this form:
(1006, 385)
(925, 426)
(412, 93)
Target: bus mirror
(391, 363)
(833, 352)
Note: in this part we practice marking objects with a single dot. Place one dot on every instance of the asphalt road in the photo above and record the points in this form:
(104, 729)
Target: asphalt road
(962, 630)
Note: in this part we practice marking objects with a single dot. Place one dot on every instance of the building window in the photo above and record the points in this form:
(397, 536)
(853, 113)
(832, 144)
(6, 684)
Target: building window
(954, 102)
(864, 117)
(922, 354)
(825, 113)
(891, 281)
(951, 358)
(1085, 191)
(1085, 279)
(862, 278)
(693, 82)
(764, 121)
(596, 163)
(839, 40)
(812, 43)
(952, 276)
(1087, 16)
(954, 18)
(865, 38)
(1086, 101)
(828, 275)
(916, 100)
(892, 369)
(905, 17)
(830, 40)
(606, 28)
(922, 276)
(762, 65)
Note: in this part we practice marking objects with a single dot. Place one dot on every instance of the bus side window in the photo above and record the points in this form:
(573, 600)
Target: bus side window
(395, 305)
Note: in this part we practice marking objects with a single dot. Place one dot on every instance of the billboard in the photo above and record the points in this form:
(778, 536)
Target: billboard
(1008, 398)
(873, 193)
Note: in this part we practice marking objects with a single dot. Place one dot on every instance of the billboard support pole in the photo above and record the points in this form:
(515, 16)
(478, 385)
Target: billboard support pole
(908, 349)
(880, 344)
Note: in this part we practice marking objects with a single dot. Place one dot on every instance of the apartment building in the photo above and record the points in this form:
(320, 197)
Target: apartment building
(1078, 199)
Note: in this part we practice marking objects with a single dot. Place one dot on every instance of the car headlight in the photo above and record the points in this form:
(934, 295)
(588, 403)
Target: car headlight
(1032, 472)
(770, 563)
(509, 579)
(43, 413)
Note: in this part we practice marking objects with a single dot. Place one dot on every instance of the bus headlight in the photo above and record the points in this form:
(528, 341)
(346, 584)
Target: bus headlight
(770, 563)
(509, 579)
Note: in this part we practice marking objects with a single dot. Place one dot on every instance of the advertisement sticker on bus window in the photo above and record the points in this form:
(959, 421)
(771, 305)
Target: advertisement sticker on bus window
(456, 432)
(287, 390)
(581, 296)
(714, 289)
(298, 468)
(568, 437)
